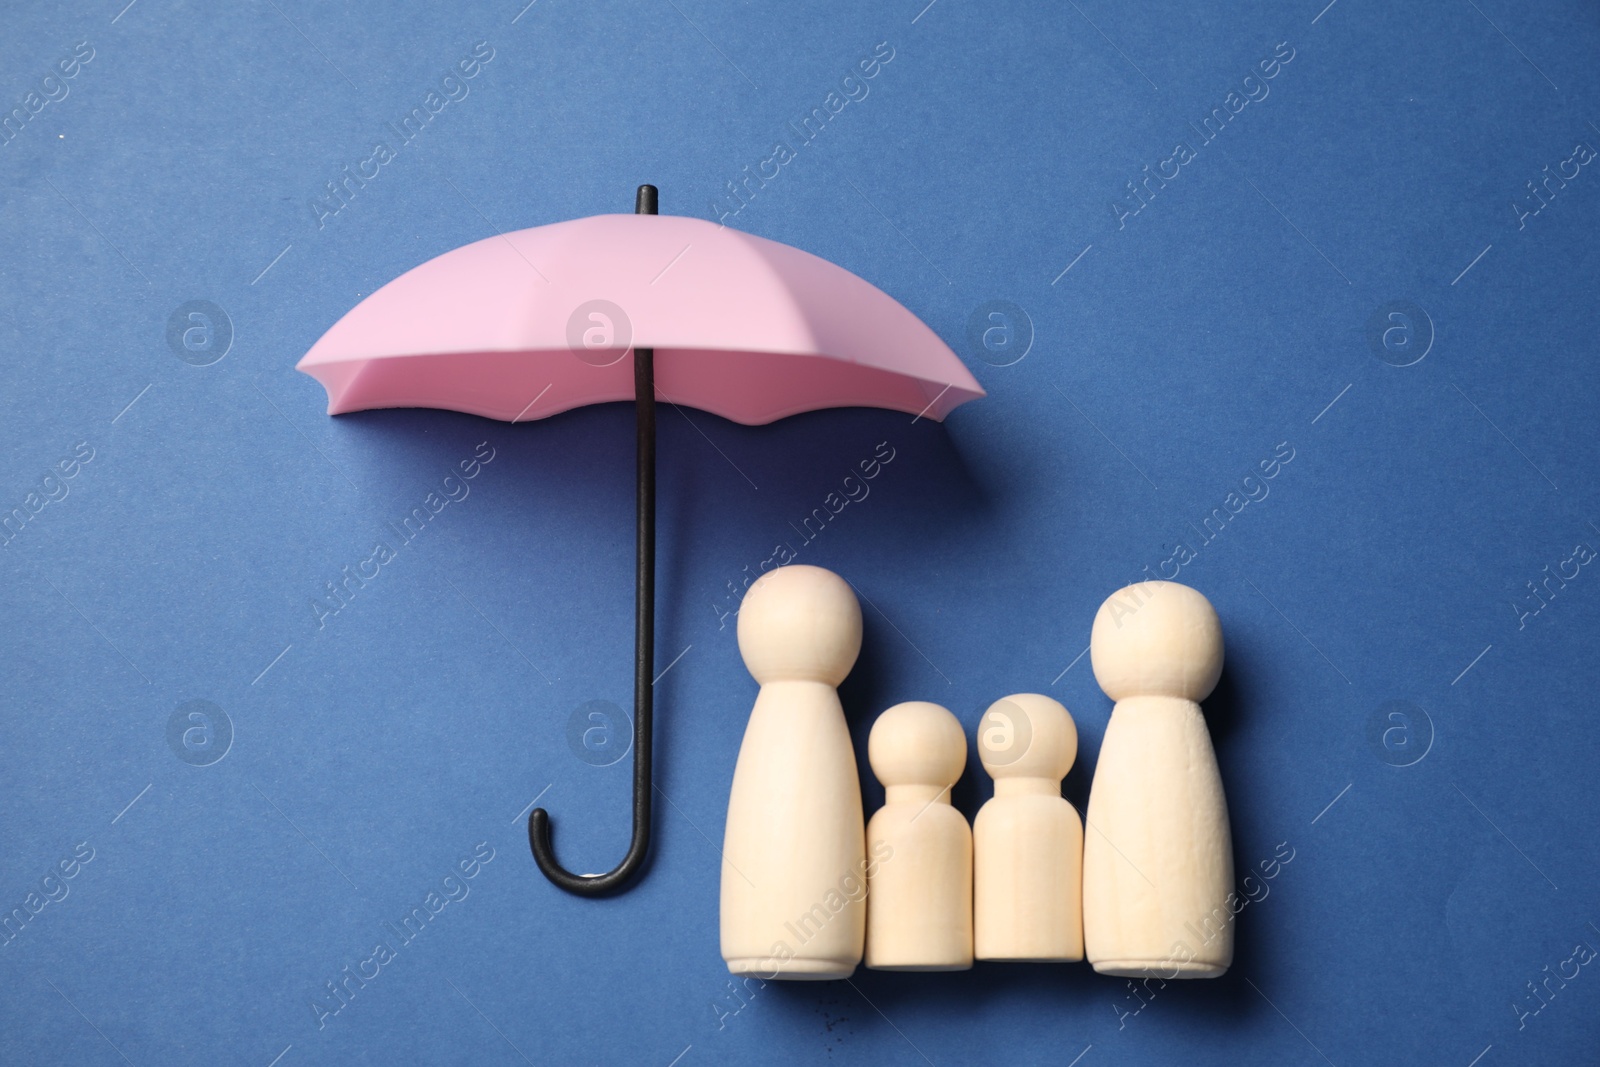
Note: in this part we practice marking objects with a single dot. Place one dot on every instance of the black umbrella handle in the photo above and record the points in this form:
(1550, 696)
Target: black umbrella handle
(644, 642)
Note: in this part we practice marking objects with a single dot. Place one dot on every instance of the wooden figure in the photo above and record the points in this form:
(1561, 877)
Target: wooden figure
(1158, 865)
(794, 863)
(1027, 840)
(919, 898)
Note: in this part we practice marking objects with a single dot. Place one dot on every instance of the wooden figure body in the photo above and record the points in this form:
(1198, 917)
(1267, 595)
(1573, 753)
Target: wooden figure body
(919, 899)
(794, 856)
(1158, 865)
(1027, 840)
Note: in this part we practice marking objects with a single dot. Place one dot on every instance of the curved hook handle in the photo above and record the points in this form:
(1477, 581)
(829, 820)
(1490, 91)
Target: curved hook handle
(593, 885)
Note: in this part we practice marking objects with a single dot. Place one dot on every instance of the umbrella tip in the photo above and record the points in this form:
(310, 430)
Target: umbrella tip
(645, 204)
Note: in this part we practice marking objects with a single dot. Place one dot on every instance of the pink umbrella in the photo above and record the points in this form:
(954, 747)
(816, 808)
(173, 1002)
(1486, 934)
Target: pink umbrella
(527, 324)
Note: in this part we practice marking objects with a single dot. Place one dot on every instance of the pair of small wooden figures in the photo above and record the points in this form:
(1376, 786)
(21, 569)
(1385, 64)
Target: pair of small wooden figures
(809, 887)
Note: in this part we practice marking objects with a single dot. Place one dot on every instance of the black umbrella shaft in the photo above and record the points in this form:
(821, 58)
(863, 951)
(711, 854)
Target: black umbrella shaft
(644, 643)
(644, 593)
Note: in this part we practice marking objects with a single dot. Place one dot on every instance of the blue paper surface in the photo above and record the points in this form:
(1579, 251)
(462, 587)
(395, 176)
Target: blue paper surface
(1354, 243)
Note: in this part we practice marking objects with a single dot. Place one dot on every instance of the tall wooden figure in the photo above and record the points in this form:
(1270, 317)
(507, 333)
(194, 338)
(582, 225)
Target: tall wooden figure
(794, 856)
(919, 875)
(1158, 861)
(1027, 840)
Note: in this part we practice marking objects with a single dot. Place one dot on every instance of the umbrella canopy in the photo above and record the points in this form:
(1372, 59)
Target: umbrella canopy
(527, 324)
(534, 322)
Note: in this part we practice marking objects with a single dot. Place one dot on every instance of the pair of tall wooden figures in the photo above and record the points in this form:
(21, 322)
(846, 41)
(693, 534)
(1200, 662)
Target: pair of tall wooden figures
(807, 886)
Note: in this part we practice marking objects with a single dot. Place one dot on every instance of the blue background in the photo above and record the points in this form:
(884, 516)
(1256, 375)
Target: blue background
(1442, 860)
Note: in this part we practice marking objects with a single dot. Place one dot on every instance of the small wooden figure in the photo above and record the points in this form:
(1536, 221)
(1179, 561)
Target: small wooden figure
(794, 864)
(919, 898)
(1158, 865)
(1027, 840)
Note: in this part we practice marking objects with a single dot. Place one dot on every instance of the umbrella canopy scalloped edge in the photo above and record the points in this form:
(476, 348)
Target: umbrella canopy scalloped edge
(743, 327)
